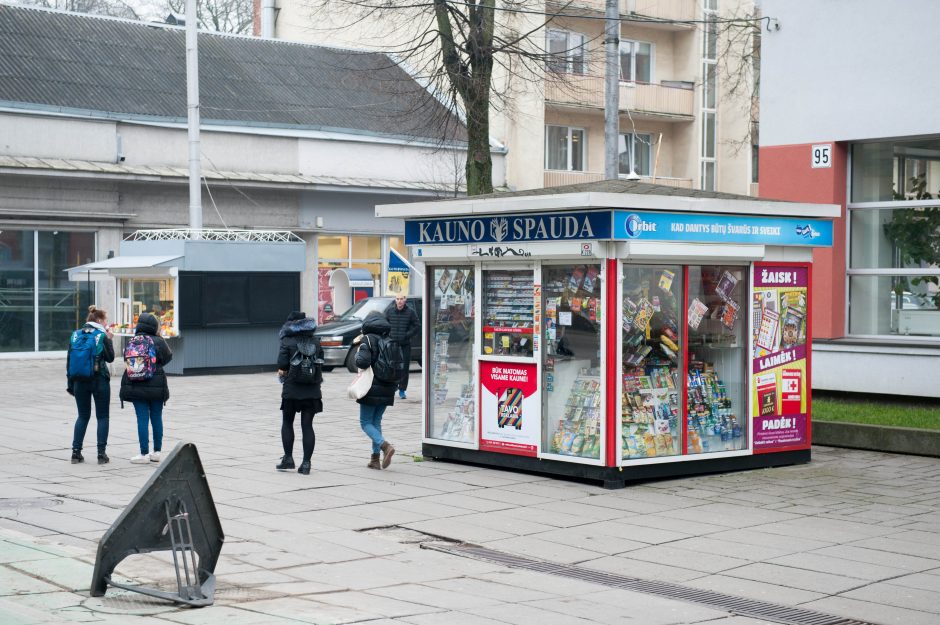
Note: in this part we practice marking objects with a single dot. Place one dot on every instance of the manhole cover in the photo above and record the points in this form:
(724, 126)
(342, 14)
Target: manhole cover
(29, 502)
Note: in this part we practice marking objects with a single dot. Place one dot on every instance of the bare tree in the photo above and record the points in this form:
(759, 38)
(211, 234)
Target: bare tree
(112, 8)
(226, 16)
(738, 67)
(473, 55)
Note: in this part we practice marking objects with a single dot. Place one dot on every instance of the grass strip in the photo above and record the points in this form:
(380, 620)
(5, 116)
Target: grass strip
(886, 413)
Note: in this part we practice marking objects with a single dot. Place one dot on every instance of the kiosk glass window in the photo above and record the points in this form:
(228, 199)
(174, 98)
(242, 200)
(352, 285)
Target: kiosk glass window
(508, 311)
(652, 354)
(140, 295)
(717, 377)
(452, 412)
(571, 366)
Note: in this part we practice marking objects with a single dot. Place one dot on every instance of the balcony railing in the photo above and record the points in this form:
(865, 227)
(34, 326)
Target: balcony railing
(666, 10)
(587, 90)
(555, 178)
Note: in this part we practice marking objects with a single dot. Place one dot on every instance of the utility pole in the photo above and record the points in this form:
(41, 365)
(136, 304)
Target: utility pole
(612, 89)
(192, 106)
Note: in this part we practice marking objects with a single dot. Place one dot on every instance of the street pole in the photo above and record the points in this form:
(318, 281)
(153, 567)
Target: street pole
(192, 106)
(611, 89)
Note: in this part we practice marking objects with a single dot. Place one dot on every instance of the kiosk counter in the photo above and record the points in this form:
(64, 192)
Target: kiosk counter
(617, 331)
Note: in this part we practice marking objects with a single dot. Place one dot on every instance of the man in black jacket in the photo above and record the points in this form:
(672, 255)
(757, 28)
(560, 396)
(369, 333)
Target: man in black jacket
(404, 322)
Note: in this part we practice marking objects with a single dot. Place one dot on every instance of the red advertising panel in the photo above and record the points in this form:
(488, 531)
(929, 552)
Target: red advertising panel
(510, 410)
(779, 372)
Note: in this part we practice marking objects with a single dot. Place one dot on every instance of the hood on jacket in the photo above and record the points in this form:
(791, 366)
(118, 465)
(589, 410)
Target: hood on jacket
(376, 323)
(298, 326)
(147, 324)
(95, 325)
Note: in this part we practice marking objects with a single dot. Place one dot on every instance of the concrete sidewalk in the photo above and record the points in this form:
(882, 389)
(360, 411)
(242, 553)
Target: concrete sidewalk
(853, 533)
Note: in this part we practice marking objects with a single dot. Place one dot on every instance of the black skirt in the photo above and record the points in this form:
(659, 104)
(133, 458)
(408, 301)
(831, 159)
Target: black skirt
(302, 405)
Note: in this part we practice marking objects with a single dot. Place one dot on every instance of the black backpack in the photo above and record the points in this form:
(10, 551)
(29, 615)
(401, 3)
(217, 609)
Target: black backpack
(306, 365)
(389, 362)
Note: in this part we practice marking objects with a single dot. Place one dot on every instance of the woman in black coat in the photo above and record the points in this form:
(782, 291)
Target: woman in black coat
(149, 396)
(381, 394)
(297, 395)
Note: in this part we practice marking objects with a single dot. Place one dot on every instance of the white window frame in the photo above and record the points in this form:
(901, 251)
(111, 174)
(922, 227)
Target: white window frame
(709, 65)
(569, 130)
(570, 47)
(633, 46)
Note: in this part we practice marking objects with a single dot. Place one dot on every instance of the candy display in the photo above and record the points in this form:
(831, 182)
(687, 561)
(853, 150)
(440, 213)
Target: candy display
(713, 426)
(508, 311)
(652, 350)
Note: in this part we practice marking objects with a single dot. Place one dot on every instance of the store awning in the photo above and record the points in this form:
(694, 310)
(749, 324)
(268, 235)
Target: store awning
(124, 266)
(354, 278)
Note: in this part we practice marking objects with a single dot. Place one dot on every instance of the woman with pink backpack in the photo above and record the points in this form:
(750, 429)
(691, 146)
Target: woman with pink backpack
(144, 384)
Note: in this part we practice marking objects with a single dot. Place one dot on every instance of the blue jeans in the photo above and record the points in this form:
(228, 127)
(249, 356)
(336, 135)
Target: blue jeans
(370, 418)
(84, 390)
(149, 412)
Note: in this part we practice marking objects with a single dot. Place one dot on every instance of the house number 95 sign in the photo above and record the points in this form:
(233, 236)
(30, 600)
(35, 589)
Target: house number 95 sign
(822, 156)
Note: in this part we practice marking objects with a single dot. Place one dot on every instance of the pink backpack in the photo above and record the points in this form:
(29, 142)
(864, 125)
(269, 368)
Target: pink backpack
(140, 358)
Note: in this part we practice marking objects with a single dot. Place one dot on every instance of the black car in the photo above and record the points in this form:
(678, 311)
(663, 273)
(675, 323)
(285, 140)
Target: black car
(337, 336)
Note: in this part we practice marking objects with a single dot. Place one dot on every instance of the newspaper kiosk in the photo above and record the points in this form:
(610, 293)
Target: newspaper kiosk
(617, 331)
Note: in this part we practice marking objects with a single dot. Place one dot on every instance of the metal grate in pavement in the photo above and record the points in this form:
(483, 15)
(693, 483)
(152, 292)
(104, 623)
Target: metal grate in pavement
(729, 603)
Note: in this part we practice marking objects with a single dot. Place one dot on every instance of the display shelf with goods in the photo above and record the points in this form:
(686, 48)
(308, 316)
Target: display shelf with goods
(508, 312)
(716, 375)
(146, 295)
(452, 396)
(571, 366)
(652, 353)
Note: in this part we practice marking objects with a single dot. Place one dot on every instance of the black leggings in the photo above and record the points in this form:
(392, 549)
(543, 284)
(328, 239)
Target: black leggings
(306, 428)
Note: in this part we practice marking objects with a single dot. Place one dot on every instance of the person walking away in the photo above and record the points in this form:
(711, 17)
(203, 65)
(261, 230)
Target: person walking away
(90, 350)
(144, 384)
(299, 367)
(404, 321)
(372, 406)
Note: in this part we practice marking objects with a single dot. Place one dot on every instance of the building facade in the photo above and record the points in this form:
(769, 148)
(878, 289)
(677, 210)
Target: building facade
(829, 135)
(94, 147)
(679, 125)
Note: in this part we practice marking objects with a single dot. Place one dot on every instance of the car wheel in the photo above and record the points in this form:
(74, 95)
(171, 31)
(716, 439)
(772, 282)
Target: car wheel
(351, 361)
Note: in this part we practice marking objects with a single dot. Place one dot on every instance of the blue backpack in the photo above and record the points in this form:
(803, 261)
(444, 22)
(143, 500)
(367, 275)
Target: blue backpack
(84, 350)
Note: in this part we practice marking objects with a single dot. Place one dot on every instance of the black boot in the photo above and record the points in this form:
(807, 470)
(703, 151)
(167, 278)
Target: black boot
(103, 457)
(77, 456)
(287, 463)
(304, 468)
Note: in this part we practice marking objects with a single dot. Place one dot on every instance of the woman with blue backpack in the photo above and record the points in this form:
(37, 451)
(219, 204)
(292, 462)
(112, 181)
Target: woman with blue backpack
(144, 384)
(90, 349)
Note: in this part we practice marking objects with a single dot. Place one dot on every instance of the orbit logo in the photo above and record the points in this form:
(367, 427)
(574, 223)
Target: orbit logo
(635, 226)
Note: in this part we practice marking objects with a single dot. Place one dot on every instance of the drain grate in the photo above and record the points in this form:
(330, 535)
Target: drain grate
(729, 603)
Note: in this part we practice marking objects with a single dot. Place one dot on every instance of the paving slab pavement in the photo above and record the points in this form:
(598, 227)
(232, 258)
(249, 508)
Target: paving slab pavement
(853, 533)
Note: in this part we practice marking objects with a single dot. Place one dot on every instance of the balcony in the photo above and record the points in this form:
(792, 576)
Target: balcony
(657, 101)
(668, 11)
(561, 178)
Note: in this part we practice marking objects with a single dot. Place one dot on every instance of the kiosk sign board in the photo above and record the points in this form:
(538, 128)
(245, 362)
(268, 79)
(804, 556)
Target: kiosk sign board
(506, 229)
(779, 379)
(736, 229)
(510, 408)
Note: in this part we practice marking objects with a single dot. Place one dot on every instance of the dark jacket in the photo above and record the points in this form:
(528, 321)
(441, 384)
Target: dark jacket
(404, 323)
(374, 328)
(292, 332)
(106, 356)
(156, 388)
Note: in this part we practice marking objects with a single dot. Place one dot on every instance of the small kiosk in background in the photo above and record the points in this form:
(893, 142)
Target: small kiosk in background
(617, 331)
(221, 296)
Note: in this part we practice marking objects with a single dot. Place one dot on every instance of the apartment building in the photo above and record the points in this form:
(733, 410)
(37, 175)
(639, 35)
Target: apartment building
(678, 125)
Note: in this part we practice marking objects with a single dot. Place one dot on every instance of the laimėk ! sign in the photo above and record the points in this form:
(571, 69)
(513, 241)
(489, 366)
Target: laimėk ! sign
(509, 228)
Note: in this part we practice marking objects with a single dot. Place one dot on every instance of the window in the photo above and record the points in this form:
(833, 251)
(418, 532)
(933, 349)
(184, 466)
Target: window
(567, 52)
(634, 153)
(709, 96)
(636, 61)
(894, 225)
(564, 148)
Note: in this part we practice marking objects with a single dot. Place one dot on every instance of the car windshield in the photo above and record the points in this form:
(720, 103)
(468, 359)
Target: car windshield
(362, 309)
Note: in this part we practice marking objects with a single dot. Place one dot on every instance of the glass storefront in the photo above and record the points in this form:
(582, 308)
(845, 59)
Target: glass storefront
(652, 358)
(40, 315)
(571, 363)
(894, 258)
(451, 396)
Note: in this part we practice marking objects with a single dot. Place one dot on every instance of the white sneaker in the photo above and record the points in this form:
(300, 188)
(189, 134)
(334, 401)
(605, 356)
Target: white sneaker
(155, 457)
(141, 459)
